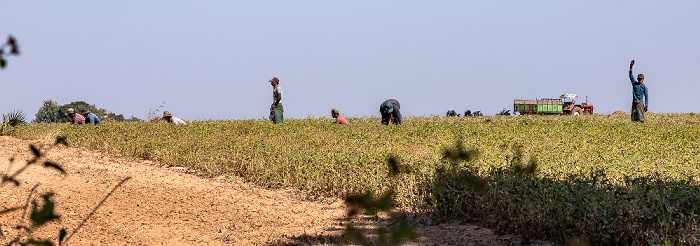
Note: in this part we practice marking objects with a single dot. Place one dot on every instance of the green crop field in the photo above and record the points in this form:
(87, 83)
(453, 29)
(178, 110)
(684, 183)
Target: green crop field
(600, 178)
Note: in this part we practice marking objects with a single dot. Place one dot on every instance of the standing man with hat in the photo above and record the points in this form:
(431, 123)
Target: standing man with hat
(90, 118)
(75, 119)
(390, 110)
(168, 117)
(639, 91)
(276, 109)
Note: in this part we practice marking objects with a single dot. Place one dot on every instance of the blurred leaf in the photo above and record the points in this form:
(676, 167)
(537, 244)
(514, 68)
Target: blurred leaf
(10, 210)
(403, 231)
(23, 228)
(525, 170)
(11, 40)
(6, 178)
(15, 49)
(33, 241)
(62, 235)
(46, 213)
(393, 163)
(352, 212)
(474, 181)
(62, 140)
(3, 63)
(36, 151)
(54, 166)
(354, 235)
(367, 202)
(531, 168)
(359, 200)
(459, 153)
(381, 236)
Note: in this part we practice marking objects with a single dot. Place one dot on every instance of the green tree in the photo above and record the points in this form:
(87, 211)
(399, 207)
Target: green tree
(77, 106)
(134, 119)
(120, 117)
(48, 113)
(115, 117)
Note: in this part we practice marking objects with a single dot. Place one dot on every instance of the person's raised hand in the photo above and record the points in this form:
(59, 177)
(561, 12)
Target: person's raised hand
(631, 64)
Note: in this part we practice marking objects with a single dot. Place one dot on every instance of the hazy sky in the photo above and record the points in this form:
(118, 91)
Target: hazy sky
(213, 59)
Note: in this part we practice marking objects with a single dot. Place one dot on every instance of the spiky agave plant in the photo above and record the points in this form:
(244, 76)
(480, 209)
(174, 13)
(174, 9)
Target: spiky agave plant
(12, 119)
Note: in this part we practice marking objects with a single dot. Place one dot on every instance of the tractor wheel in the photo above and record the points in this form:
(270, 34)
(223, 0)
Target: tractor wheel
(577, 111)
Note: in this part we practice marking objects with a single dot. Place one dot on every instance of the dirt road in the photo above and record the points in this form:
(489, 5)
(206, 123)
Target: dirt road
(172, 206)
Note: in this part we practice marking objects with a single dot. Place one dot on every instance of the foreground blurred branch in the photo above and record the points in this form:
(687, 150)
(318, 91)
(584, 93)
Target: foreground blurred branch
(13, 47)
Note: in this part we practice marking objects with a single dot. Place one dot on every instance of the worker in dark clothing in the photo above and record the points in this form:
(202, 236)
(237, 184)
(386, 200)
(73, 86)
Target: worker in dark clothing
(390, 110)
(639, 92)
(452, 112)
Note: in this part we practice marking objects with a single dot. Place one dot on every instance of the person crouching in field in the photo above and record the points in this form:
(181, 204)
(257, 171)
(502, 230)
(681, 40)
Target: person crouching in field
(75, 119)
(168, 117)
(339, 119)
(276, 109)
(390, 110)
(90, 118)
(639, 91)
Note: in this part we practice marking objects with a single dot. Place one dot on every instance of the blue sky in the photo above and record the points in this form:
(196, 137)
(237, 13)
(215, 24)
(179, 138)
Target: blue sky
(213, 59)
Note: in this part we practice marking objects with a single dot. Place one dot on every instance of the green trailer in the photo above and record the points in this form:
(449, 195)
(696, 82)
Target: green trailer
(539, 106)
(562, 105)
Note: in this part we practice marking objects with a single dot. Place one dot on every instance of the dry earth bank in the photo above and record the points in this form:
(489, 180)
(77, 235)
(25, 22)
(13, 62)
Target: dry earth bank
(171, 206)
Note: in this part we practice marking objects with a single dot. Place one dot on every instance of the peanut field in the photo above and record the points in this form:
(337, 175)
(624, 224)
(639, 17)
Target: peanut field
(597, 179)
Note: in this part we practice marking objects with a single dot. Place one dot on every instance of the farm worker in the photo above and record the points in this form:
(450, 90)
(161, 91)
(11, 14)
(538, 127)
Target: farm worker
(90, 118)
(276, 109)
(390, 110)
(639, 91)
(75, 119)
(339, 119)
(168, 117)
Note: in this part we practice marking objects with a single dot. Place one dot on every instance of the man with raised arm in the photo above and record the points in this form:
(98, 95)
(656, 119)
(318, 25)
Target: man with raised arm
(639, 92)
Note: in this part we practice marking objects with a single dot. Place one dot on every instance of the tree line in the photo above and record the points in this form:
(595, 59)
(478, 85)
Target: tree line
(51, 112)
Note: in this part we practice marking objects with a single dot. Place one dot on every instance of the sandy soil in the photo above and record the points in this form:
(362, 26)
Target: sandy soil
(162, 205)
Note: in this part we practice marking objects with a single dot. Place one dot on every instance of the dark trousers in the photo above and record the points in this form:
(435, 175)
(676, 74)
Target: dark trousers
(638, 110)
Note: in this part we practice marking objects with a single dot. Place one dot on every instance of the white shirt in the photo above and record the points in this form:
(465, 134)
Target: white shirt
(177, 121)
(277, 91)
